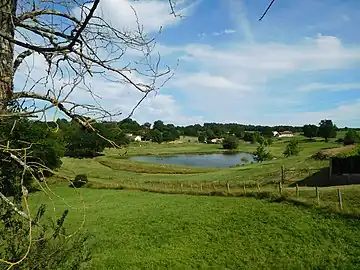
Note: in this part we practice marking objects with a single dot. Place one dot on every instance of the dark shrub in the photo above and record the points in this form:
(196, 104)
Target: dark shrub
(201, 138)
(230, 142)
(80, 180)
(351, 137)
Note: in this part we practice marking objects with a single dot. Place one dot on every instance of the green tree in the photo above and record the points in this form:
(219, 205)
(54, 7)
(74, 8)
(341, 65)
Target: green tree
(230, 142)
(351, 137)
(156, 136)
(292, 148)
(130, 126)
(147, 125)
(201, 138)
(248, 137)
(83, 143)
(267, 132)
(159, 125)
(327, 129)
(168, 136)
(310, 131)
(238, 131)
(210, 134)
(261, 154)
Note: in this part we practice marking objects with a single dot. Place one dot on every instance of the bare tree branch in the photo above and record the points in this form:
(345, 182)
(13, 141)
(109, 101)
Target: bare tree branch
(13, 206)
(267, 9)
(20, 58)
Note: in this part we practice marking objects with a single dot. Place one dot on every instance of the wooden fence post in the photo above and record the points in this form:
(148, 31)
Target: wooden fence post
(282, 174)
(317, 195)
(297, 190)
(213, 186)
(258, 186)
(280, 188)
(228, 187)
(201, 187)
(182, 187)
(191, 186)
(244, 187)
(340, 199)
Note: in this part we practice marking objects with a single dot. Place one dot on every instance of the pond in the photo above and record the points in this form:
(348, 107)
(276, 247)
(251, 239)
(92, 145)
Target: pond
(200, 160)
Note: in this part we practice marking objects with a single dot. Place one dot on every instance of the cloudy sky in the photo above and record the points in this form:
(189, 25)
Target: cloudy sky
(297, 66)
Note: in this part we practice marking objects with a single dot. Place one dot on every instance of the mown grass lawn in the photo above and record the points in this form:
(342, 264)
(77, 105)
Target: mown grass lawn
(140, 230)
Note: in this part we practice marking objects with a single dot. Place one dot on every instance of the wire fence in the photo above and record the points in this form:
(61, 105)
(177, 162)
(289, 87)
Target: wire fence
(337, 198)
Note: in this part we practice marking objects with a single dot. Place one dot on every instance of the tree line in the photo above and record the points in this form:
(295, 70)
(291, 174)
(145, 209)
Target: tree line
(54, 140)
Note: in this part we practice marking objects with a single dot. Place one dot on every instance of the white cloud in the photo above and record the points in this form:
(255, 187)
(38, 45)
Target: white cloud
(273, 59)
(152, 14)
(329, 87)
(206, 81)
(343, 115)
(235, 83)
(220, 33)
(239, 15)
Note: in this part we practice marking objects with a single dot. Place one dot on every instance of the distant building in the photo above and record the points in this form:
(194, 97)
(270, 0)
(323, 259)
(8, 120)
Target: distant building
(135, 138)
(283, 134)
(217, 140)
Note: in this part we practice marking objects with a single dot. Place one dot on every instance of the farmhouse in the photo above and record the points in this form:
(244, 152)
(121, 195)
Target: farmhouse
(217, 140)
(283, 134)
(136, 138)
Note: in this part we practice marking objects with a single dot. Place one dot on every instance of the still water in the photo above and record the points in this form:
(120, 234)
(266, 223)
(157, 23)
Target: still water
(203, 160)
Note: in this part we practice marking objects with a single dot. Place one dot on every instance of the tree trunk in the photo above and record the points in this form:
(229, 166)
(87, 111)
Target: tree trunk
(7, 13)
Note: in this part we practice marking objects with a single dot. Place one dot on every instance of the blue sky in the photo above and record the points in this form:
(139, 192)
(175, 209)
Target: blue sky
(297, 66)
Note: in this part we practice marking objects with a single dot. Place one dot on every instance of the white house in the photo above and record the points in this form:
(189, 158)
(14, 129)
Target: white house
(137, 138)
(283, 134)
(217, 140)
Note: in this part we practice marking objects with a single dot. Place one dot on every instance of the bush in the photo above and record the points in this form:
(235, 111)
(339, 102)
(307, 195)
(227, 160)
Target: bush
(261, 154)
(248, 137)
(50, 248)
(201, 138)
(80, 180)
(292, 149)
(351, 137)
(230, 142)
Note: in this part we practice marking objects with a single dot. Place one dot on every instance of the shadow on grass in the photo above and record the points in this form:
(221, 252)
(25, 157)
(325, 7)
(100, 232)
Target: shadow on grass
(321, 179)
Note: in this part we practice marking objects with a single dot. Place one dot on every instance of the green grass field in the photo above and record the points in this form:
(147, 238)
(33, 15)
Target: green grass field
(141, 230)
(134, 229)
(115, 168)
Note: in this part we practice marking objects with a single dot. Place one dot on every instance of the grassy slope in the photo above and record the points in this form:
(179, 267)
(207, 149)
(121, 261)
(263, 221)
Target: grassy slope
(137, 230)
(113, 168)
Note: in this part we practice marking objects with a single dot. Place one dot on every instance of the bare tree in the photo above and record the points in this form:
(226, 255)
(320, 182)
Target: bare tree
(77, 45)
